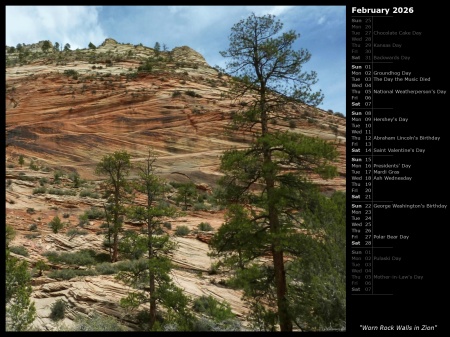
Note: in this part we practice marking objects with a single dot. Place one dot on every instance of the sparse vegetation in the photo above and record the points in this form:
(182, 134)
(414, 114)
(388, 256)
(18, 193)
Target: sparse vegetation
(19, 250)
(84, 257)
(75, 231)
(41, 266)
(182, 230)
(56, 225)
(176, 93)
(192, 93)
(33, 166)
(58, 310)
(205, 226)
(67, 274)
(43, 181)
(96, 322)
(40, 190)
(90, 194)
(61, 191)
(71, 73)
(208, 305)
(94, 213)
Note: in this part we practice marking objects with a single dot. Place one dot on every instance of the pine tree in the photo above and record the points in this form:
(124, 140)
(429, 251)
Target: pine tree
(116, 166)
(151, 277)
(20, 310)
(46, 45)
(266, 184)
(321, 302)
(186, 193)
(157, 48)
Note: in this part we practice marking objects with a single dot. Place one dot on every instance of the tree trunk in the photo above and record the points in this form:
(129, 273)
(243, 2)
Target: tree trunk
(152, 300)
(278, 266)
(277, 250)
(152, 278)
(115, 248)
(280, 282)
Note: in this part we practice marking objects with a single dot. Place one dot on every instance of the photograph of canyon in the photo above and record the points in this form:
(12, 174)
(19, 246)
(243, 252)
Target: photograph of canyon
(147, 190)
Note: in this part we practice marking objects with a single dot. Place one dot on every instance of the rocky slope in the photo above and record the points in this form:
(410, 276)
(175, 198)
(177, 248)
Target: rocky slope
(65, 110)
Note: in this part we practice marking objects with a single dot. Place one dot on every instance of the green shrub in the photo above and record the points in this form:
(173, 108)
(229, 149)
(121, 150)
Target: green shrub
(167, 225)
(84, 257)
(147, 67)
(67, 274)
(89, 193)
(135, 266)
(56, 224)
(182, 230)
(206, 324)
(200, 206)
(102, 257)
(32, 236)
(32, 227)
(71, 72)
(58, 310)
(33, 166)
(190, 93)
(30, 210)
(74, 231)
(176, 93)
(60, 191)
(41, 266)
(215, 309)
(333, 128)
(213, 269)
(94, 213)
(43, 181)
(26, 178)
(57, 176)
(19, 250)
(204, 226)
(96, 322)
(106, 268)
(40, 190)
(75, 177)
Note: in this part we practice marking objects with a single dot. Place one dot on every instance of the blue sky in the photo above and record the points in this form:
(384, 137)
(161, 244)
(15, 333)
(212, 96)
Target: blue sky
(203, 28)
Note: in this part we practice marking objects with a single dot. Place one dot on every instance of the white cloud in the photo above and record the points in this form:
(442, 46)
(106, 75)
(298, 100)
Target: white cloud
(263, 10)
(65, 24)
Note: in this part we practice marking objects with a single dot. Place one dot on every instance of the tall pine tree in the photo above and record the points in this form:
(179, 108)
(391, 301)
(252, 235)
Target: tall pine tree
(266, 185)
(116, 167)
(151, 277)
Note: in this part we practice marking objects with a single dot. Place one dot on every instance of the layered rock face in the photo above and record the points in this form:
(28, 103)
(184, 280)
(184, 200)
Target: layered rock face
(71, 110)
(66, 110)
